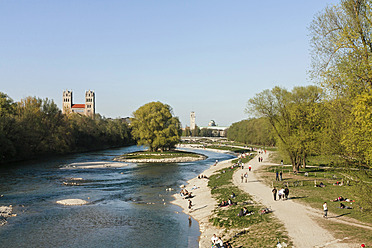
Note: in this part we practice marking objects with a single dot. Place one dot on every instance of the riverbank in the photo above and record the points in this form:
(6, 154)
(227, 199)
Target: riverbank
(174, 156)
(203, 203)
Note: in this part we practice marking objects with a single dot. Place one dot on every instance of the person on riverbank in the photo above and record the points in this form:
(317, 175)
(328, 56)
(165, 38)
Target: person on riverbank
(242, 177)
(219, 243)
(274, 193)
(246, 177)
(325, 208)
(276, 176)
(250, 168)
(214, 239)
(281, 193)
(281, 175)
(286, 193)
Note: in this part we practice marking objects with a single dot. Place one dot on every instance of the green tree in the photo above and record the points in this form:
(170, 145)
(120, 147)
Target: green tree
(7, 124)
(295, 117)
(342, 47)
(186, 132)
(342, 63)
(154, 126)
(254, 131)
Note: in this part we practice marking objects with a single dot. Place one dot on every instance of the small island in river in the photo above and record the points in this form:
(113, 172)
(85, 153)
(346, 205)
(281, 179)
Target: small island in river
(173, 156)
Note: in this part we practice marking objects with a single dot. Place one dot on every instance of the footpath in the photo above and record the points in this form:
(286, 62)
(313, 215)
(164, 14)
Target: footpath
(297, 218)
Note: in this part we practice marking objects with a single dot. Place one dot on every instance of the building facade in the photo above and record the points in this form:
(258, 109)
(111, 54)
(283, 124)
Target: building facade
(87, 109)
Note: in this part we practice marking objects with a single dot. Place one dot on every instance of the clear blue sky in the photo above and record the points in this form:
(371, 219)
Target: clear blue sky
(204, 56)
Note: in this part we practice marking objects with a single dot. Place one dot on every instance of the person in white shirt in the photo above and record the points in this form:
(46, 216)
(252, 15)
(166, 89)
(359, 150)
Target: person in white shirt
(325, 208)
(214, 239)
(219, 242)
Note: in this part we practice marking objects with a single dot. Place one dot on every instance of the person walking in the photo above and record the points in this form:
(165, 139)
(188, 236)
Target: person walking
(325, 208)
(190, 204)
(276, 176)
(246, 177)
(274, 193)
(281, 175)
(242, 177)
(286, 193)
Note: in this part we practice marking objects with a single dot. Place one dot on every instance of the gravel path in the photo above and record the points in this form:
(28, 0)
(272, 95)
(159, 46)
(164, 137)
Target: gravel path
(297, 218)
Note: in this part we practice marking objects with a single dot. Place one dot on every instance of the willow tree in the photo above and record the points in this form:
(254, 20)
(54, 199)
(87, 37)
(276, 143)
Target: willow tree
(295, 117)
(154, 125)
(342, 63)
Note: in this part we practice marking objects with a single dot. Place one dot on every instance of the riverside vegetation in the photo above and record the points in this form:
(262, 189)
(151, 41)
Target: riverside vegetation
(163, 157)
(255, 230)
(34, 127)
(330, 119)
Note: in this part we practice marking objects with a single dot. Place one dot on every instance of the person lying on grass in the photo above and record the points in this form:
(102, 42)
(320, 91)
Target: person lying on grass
(340, 198)
(344, 207)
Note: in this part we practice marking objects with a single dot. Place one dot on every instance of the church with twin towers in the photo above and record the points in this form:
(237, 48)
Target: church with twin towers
(88, 108)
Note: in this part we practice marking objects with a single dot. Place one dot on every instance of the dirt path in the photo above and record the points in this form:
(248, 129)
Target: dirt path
(297, 218)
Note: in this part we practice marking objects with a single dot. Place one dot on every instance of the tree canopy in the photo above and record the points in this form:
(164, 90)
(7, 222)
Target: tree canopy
(154, 125)
(36, 127)
(295, 117)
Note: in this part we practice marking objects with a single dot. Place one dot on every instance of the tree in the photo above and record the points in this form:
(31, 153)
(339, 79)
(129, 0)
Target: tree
(342, 47)
(295, 117)
(342, 64)
(255, 131)
(154, 126)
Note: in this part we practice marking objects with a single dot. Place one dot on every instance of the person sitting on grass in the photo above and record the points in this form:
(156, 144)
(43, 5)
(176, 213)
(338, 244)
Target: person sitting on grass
(219, 243)
(223, 204)
(243, 212)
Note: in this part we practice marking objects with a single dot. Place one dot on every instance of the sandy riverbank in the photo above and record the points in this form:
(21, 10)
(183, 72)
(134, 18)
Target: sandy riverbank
(202, 203)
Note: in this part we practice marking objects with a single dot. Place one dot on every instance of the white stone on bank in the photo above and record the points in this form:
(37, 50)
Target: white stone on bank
(72, 202)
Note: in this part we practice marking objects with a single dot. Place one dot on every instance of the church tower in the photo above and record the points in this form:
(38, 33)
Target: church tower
(67, 101)
(90, 103)
(192, 121)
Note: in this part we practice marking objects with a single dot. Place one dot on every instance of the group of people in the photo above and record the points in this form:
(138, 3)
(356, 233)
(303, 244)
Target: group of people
(202, 177)
(340, 198)
(279, 176)
(226, 203)
(244, 176)
(244, 211)
(218, 243)
(186, 194)
(282, 193)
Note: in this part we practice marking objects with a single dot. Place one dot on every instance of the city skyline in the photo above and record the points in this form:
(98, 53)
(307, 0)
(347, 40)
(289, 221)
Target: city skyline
(208, 57)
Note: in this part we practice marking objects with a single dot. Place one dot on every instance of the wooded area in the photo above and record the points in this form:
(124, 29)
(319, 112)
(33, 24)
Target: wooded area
(34, 127)
(335, 117)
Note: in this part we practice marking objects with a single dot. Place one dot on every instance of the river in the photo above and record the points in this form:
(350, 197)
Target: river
(128, 206)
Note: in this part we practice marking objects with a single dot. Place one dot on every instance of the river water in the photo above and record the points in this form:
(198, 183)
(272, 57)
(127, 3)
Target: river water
(128, 206)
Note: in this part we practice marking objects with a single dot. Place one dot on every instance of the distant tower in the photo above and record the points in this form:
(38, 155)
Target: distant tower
(90, 103)
(67, 101)
(192, 121)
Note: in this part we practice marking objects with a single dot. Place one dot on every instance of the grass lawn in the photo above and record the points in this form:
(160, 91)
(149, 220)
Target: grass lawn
(255, 230)
(302, 188)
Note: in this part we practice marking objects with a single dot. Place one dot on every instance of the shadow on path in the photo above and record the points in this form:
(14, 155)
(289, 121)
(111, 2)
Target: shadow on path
(339, 215)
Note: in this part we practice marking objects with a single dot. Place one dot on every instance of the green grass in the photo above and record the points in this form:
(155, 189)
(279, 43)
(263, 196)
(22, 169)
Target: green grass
(302, 189)
(263, 230)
